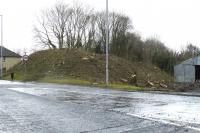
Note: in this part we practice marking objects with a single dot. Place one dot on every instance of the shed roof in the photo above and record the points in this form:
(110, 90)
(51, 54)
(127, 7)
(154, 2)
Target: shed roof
(191, 61)
(8, 53)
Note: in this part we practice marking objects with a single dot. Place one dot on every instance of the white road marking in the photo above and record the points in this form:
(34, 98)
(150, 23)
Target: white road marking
(165, 122)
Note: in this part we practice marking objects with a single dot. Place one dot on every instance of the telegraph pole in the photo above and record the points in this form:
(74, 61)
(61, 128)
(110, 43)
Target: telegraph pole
(107, 42)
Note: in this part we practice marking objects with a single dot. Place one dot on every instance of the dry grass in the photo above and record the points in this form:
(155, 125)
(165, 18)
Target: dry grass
(81, 66)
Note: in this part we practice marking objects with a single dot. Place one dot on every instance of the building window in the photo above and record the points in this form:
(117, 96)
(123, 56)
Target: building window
(4, 59)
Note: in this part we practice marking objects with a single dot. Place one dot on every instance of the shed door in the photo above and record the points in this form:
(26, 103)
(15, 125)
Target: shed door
(197, 72)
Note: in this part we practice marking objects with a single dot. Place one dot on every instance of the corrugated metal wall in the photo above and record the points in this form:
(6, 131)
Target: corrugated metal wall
(185, 72)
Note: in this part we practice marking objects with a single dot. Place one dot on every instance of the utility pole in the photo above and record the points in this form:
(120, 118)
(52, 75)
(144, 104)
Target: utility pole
(1, 46)
(107, 42)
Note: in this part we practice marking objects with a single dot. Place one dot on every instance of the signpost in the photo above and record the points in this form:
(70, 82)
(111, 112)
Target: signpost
(25, 59)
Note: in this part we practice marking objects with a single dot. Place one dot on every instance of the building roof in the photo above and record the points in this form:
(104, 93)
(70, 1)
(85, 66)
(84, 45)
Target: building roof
(191, 61)
(8, 53)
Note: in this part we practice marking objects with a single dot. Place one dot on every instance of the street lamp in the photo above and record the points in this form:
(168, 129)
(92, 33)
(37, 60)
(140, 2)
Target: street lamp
(107, 41)
(1, 46)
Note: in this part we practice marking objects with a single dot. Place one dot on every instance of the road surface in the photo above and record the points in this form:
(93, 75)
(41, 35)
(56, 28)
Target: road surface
(50, 108)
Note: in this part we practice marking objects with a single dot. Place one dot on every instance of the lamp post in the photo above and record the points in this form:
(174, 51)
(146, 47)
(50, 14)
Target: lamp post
(1, 46)
(107, 41)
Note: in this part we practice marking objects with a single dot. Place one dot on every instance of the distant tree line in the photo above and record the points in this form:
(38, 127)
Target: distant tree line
(77, 26)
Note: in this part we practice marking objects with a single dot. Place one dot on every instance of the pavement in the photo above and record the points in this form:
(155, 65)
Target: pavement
(51, 108)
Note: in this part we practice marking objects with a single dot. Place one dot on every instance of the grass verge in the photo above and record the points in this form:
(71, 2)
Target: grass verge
(65, 81)
(72, 81)
(90, 84)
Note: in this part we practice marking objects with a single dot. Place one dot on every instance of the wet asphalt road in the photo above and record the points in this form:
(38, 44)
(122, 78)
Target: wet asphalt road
(48, 108)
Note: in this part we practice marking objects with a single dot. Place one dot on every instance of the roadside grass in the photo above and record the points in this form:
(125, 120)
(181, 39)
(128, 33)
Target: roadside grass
(73, 81)
(80, 82)
(17, 76)
(124, 87)
(65, 81)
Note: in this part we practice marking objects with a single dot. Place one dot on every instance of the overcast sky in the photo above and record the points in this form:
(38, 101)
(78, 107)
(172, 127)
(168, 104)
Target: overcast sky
(174, 22)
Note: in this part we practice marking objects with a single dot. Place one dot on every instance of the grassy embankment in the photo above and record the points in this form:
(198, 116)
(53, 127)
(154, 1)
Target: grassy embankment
(79, 67)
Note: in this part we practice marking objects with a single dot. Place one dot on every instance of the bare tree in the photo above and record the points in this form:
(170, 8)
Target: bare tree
(90, 33)
(51, 27)
(77, 25)
(120, 26)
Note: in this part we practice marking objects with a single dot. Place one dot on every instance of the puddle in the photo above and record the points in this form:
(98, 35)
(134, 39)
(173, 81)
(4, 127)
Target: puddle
(171, 108)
